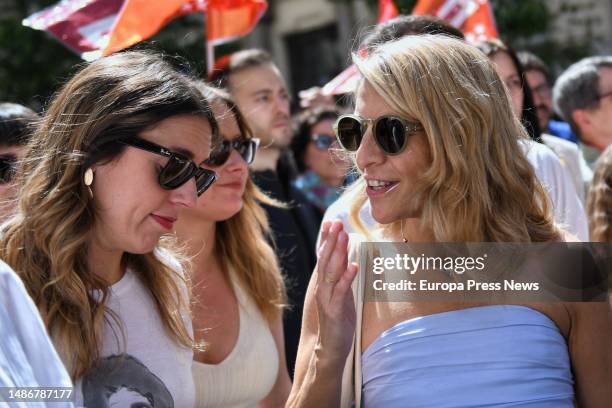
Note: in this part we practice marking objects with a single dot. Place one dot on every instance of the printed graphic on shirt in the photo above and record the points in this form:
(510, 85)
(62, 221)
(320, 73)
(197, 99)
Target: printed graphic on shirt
(123, 381)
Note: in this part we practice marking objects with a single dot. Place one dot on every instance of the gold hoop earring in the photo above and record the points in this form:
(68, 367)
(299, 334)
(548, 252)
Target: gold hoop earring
(402, 229)
(88, 180)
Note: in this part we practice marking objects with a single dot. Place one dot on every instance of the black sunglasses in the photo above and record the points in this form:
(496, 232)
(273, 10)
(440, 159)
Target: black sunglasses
(323, 141)
(8, 165)
(390, 132)
(246, 148)
(179, 168)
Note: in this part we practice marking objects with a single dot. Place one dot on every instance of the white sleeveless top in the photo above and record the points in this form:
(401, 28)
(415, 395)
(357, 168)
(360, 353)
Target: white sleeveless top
(249, 372)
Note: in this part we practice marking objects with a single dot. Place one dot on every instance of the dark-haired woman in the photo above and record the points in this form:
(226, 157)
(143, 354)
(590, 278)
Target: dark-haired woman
(322, 170)
(109, 168)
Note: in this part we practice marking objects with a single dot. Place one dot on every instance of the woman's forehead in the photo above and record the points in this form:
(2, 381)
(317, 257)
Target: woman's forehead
(370, 104)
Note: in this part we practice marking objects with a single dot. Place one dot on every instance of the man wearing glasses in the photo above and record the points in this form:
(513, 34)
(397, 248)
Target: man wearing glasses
(582, 96)
(15, 129)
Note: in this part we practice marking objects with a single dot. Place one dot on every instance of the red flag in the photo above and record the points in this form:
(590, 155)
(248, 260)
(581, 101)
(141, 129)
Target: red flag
(83, 26)
(473, 17)
(386, 10)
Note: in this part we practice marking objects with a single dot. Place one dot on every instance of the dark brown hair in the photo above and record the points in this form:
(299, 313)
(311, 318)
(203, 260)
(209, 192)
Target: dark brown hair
(47, 241)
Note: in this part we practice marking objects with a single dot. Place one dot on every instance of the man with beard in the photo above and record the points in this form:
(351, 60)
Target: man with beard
(259, 91)
(539, 80)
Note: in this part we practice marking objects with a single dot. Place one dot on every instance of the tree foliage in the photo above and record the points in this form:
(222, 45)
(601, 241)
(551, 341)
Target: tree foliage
(34, 64)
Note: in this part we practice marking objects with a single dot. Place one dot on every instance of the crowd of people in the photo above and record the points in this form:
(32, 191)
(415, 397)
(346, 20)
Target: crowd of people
(170, 242)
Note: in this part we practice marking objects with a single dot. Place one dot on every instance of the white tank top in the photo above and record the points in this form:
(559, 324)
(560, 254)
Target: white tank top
(249, 372)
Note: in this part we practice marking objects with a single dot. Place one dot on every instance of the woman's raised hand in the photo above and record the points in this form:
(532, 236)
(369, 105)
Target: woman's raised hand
(334, 297)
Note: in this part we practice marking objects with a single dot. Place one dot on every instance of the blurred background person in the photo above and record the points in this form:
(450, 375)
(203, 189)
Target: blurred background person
(259, 90)
(16, 123)
(322, 169)
(599, 199)
(238, 291)
(107, 171)
(582, 95)
(539, 80)
(563, 179)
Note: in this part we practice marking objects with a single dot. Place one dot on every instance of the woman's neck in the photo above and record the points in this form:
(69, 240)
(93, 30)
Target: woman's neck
(198, 237)
(411, 230)
(105, 263)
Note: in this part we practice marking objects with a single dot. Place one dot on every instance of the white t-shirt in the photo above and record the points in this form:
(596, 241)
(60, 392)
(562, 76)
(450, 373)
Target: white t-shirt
(571, 159)
(568, 210)
(150, 368)
(27, 356)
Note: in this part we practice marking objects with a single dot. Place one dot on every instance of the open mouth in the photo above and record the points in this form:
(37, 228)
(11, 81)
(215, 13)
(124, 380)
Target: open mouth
(380, 187)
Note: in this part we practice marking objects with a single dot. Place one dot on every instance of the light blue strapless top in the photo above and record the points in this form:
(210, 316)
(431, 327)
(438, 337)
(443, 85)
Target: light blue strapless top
(491, 356)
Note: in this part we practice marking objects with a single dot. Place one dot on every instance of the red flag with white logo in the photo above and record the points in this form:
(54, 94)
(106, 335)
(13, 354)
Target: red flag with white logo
(473, 17)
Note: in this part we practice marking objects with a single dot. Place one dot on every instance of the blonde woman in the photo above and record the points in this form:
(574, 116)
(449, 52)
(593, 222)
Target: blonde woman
(237, 286)
(599, 199)
(108, 169)
(435, 139)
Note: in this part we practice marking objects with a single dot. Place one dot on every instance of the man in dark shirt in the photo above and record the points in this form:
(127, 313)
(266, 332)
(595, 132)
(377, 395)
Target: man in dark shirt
(261, 95)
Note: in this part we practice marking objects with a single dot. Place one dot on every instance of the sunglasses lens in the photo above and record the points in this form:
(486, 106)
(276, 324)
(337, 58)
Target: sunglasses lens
(349, 133)
(391, 135)
(204, 180)
(219, 155)
(323, 142)
(176, 173)
(247, 149)
(7, 170)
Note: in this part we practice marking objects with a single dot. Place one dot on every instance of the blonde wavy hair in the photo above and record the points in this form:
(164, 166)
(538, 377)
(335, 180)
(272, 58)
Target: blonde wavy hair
(599, 199)
(48, 239)
(242, 241)
(479, 187)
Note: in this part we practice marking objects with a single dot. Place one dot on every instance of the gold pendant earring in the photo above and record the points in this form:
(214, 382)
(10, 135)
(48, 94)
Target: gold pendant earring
(88, 180)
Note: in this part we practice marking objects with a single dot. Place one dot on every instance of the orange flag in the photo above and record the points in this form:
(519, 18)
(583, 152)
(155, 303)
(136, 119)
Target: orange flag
(140, 19)
(386, 10)
(228, 19)
(93, 28)
(473, 17)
